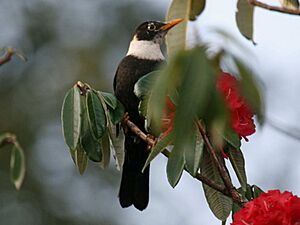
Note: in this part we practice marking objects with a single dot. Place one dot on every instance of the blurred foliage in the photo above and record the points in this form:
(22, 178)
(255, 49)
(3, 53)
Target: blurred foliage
(64, 42)
(190, 80)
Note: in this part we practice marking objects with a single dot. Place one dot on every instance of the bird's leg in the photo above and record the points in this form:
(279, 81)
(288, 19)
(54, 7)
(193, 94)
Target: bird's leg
(124, 122)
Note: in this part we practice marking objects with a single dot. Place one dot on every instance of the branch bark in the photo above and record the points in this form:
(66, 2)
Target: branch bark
(6, 57)
(274, 8)
(8, 53)
(234, 194)
(9, 139)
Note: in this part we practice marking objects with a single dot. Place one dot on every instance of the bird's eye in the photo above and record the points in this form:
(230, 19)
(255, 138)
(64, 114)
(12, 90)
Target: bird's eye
(151, 27)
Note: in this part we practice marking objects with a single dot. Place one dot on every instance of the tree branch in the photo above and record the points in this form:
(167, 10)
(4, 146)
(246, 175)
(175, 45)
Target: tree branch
(234, 194)
(8, 139)
(8, 53)
(274, 8)
(151, 142)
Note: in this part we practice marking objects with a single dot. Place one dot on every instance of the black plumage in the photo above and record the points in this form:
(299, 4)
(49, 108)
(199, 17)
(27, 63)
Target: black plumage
(134, 187)
(144, 56)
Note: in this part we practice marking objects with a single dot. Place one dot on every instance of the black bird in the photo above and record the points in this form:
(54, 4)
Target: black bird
(144, 55)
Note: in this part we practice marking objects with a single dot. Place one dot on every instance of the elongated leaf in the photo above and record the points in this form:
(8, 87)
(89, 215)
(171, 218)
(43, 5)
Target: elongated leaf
(118, 151)
(109, 99)
(70, 116)
(17, 165)
(256, 191)
(219, 204)
(142, 90)
(165, 85)
(290, 4)
(105, 148)
(96, 115)
(89, 144)
(81, 159)
(194, 94)
(250, 90)
(244, 18)
(197, 7)
(158, 148)
(176, 37)
(117, 114)
(175, 166)
(194, 154)
(117, 146)
(238, 163)
(232, 138)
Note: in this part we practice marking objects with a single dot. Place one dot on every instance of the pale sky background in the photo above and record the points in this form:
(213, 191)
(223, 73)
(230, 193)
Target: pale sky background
(271, 157)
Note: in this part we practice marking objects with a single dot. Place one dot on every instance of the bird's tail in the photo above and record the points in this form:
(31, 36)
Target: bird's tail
(134, 189)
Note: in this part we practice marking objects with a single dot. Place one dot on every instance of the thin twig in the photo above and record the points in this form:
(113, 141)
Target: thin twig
(8, 53)
(235, 195)
(9, 139)
(289, 131)
(151, 142)
(274, 8)
(6, 57)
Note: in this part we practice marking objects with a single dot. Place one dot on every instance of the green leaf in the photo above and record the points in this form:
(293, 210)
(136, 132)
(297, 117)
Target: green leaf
(290, 4)
(109, 99)
(256, 191)
(96, 115)
(89, 144)
(158, 148)
(175, 166)
(143, 85)
(194, 94)
(232, 138)
(193, 155)
(117, 114)
(143, 90)
(165, 84)
(118, 143)
(250, 90)
(105, 148)
(176, 37)
(244, 18)
(17, 165)
(70, 116)
(197, 7)
(80, 159)
(219, 204)
(238, 163)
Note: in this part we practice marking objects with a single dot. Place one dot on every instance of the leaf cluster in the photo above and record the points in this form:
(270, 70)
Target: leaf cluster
(189, 80)
(90, 121)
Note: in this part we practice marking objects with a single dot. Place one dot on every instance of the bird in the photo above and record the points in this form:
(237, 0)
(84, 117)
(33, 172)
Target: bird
(144, 55)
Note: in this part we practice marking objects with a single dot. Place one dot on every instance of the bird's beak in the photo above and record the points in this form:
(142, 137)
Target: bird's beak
(171, 24)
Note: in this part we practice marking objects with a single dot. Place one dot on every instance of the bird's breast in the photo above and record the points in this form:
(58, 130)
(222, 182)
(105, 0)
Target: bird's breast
(130, 70)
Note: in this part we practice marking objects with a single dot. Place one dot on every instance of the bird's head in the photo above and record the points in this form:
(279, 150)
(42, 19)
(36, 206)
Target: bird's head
(148, 37)
(154, 31)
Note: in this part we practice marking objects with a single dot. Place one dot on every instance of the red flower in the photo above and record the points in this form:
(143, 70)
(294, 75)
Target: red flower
(241, 114)
(168, 117)
(272, 208)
